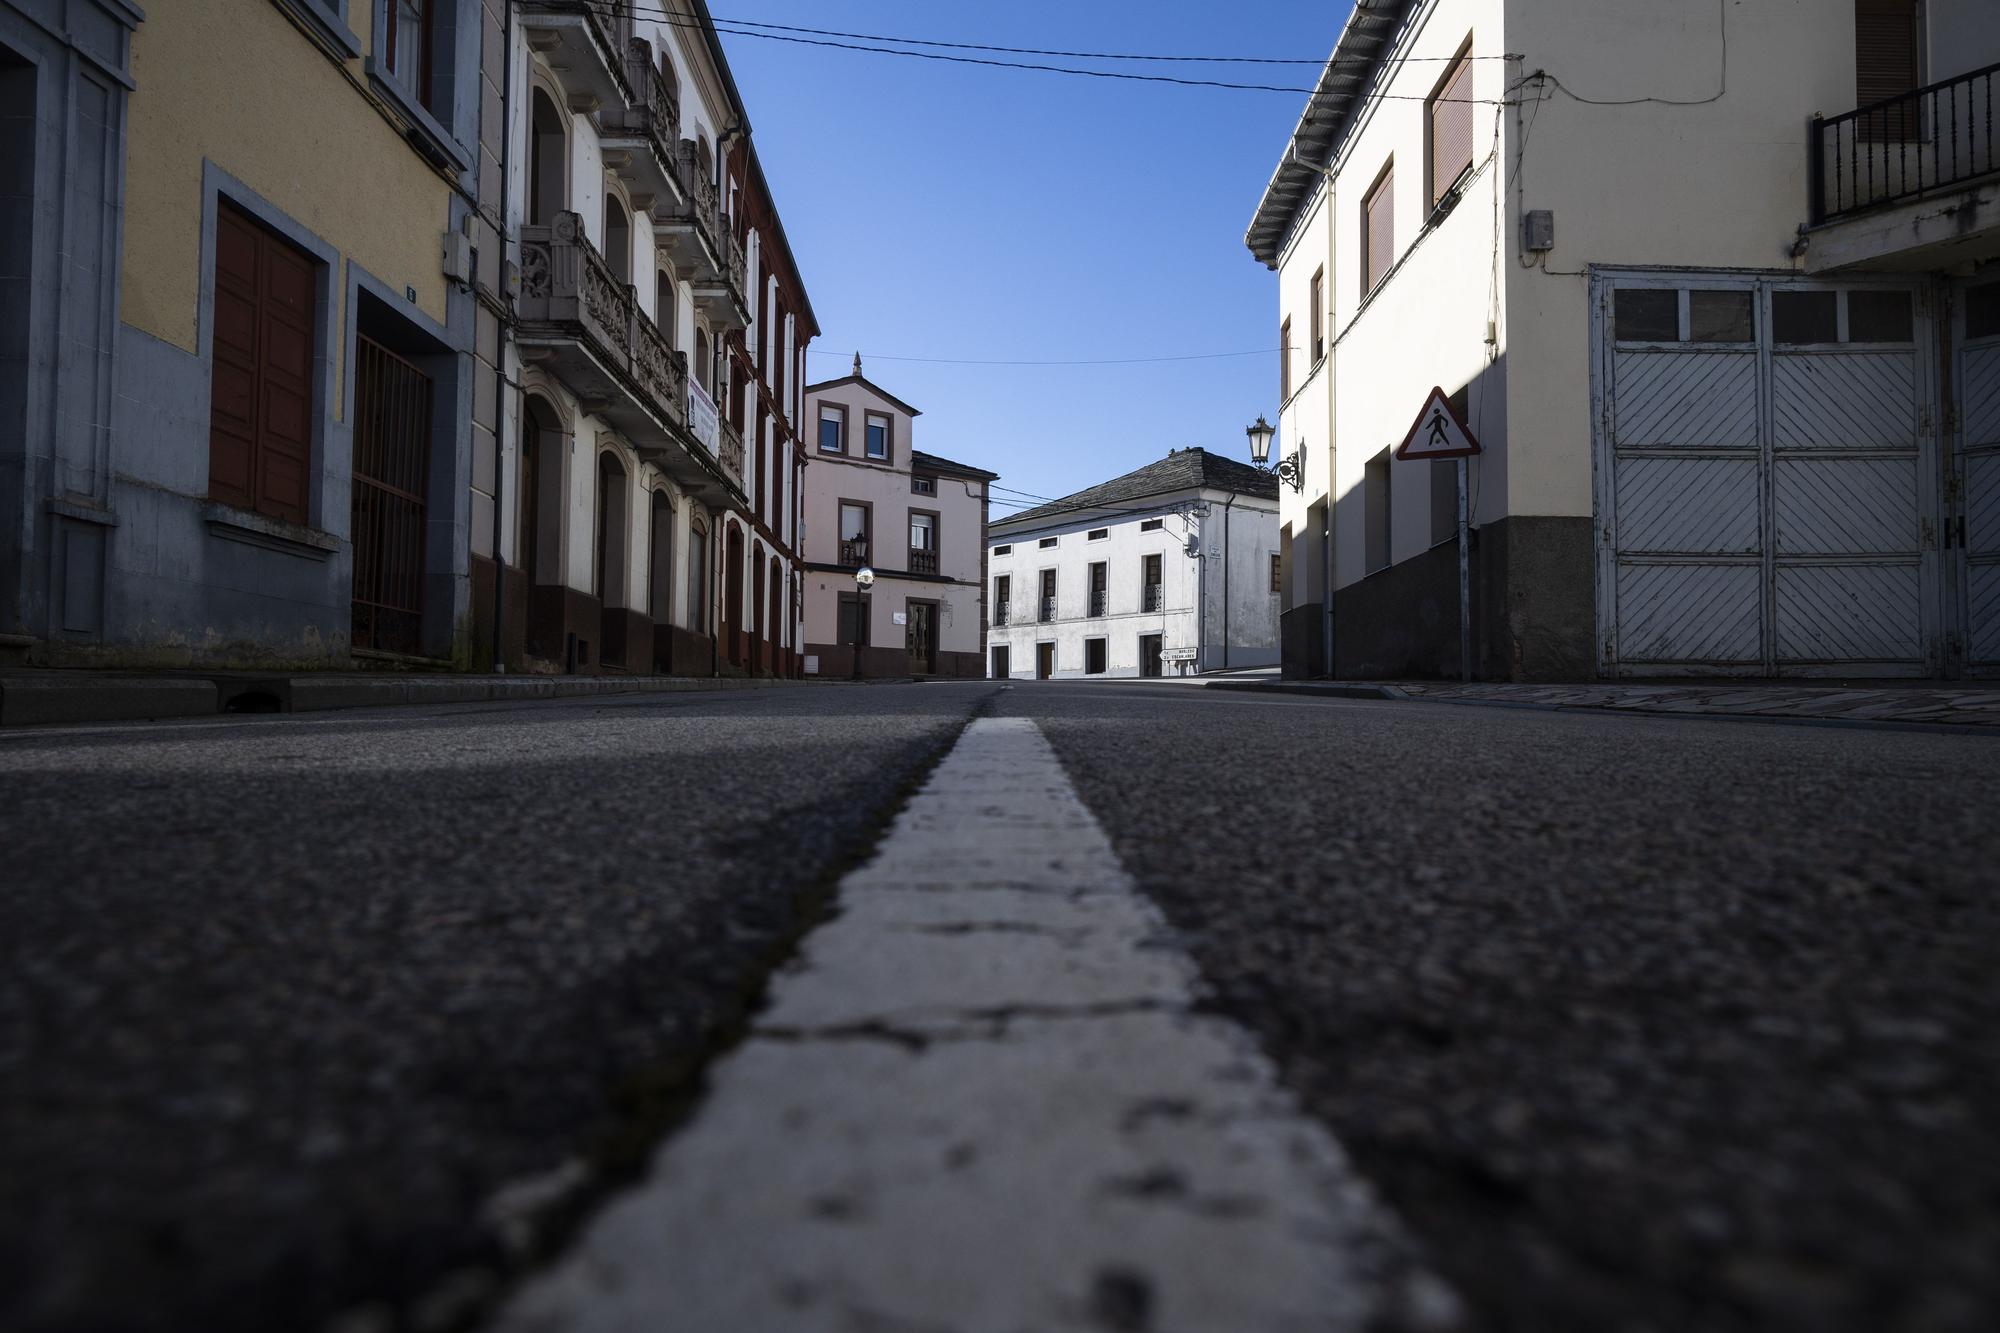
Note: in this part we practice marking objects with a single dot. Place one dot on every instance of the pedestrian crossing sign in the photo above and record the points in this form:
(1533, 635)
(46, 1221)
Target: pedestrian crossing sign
(1438, 432)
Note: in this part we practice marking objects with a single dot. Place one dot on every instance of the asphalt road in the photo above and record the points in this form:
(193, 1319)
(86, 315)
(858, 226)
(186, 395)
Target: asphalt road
(1639, 1024)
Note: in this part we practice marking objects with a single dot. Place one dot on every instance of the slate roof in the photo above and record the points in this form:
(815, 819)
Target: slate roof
(1180, 470)
(921, 461)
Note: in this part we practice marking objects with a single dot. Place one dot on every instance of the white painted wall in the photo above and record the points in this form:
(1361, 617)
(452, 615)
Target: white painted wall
(1187, 584)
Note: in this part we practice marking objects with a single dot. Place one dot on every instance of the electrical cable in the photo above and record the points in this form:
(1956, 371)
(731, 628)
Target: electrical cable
(1120, 361)
(1722, 84)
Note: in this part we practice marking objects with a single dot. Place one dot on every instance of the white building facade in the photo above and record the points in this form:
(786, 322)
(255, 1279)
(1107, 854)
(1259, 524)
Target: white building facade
(917, 520)
(1169, 570)
(644, 498)
(1715, 287)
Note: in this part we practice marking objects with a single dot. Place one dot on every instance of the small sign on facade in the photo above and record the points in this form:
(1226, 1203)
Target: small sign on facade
(900, 618)
(812, 664)
(1438, 432)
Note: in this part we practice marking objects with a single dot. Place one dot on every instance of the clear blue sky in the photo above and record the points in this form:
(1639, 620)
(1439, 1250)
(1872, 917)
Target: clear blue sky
(943, 210)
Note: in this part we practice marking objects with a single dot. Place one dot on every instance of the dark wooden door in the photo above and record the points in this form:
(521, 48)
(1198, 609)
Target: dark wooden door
(261, 408)
(1002, 668)
(920, 638)
(1045, 661)
(1149, 654)
(392, 457)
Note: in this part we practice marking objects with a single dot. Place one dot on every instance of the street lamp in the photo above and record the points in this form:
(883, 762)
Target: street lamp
(864, 579)
(1291, 468)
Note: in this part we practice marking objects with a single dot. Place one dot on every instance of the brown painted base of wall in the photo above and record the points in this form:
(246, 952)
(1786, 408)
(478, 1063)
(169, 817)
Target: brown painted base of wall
(837, 662)
(682, 652)
(1533, 610)
(516, 627)
(554, 614)
(625, 641)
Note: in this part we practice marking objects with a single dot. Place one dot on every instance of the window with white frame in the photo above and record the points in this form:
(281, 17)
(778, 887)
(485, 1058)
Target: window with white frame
(876, 428)
(832, 428)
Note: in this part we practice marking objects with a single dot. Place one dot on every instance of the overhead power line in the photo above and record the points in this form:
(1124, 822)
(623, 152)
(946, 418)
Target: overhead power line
(724, 26)
(1113, 361)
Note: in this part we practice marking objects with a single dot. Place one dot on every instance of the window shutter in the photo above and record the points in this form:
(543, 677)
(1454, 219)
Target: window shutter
(1885, 49)
(260, 414)
(1380, 211)
(1451, 130)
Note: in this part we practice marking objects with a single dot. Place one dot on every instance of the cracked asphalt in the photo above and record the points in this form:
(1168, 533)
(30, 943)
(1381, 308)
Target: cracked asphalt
(339, 1021)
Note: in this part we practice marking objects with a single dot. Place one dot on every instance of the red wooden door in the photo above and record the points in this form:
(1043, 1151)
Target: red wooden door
(260, 417)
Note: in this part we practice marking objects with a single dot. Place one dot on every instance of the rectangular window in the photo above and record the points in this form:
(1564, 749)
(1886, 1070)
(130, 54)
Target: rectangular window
(1879, 317)
(1093, 657)
(855, 520)
(1047, 609)
(1378, 229)
(1277, 572)
(877, 438)
(1004, 550)
(1152, 524)
(1285, 362)
(923, 543)
(1646, 315)
(1801, 318)
(1319, 315)
(1149, 583)
(1450, 117)
(853, 619)
(1721, 317)
(1097, 534)
(923, 485)
(1281, 576)
(1100, 588)
(1982, 311)
(832, 429)
(1048, 543)
(1376, 513)
(409, 41)
(1003, 598)
(261, 403)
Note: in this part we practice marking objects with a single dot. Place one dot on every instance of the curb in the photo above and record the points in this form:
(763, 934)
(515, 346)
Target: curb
(33, 700)
(1304, 688)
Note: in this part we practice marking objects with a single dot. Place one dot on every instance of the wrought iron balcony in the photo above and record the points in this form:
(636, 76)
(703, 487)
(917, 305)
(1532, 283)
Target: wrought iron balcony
(641, 141)
(1150, 600)
(1001, 610)
(1099, 603)
(1048, 608)
(697, 236)
(922, 561)
(854, 551)
(583, 40)
(576, 318)
(1926, 142)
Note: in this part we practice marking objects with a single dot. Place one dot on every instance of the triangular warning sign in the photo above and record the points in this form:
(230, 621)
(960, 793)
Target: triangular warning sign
(1438, 432)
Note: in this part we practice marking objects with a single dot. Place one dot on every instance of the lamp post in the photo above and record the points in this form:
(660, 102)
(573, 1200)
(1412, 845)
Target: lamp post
(864, 579)
(1291, 469)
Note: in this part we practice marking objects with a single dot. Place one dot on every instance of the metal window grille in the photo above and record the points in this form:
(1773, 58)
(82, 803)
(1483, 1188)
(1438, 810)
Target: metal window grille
(392, 415)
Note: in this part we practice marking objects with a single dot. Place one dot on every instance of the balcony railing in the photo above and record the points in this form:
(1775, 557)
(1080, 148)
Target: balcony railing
(1150, 601)
(567, 284)
(854, 551)
(1936, 138)
(698, 236)
(587, 52)
(1001, 610)
(729, 449)
(653, 117)
(922, 561)
(1099, 603)
(1048, 609)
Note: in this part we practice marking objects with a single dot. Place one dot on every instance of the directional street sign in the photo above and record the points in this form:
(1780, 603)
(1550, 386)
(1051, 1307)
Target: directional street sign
(1438, 433)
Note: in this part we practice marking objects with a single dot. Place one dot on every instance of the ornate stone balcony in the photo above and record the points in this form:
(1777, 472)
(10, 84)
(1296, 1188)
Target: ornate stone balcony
(730, 450)
(577, 320)
(583, 40)
(698, 238)
(641, 141)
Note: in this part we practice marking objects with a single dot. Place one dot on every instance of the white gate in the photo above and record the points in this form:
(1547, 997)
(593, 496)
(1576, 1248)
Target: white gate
(1765, 468)
(1973, 523)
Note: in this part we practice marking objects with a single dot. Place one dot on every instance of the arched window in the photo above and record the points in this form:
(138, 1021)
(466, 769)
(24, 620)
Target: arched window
(704, 369)
(539, 537)
(617, 238)
(610, 530)
(548, 162)
(707, 156)
(671, 79)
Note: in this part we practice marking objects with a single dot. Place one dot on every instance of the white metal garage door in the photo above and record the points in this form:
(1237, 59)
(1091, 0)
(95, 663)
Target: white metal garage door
(1765, 466)
(1974, 526)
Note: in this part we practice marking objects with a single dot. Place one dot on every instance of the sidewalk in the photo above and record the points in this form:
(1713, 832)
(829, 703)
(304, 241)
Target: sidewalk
(1914, 702)
(29, 696)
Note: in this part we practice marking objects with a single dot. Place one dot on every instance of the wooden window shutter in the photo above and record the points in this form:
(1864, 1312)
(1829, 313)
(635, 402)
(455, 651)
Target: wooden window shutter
(1885, 49)
(260, 415)
(1451, 129)
(1379, 221)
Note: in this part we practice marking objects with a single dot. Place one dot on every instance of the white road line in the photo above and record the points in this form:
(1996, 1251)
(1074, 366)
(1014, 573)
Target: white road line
(981, 1101)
